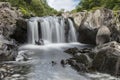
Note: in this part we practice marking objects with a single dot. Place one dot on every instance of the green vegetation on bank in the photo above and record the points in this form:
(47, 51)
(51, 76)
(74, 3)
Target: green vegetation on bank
(32, 7)
(96, 4)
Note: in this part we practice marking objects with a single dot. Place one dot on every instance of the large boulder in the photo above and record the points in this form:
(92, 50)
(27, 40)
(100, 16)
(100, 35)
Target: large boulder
(107, 58)
(103, 35)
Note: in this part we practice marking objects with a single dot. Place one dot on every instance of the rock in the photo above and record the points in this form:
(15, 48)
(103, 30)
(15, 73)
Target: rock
(78, 66)
(39, 42)
(107, 58)
(81, 59)
(72, 51)
(53, 63)
(87, 35)
(84, 59)
(8, 51)
(63, 63)
(103, 35)
(16, 75)
(22, 56)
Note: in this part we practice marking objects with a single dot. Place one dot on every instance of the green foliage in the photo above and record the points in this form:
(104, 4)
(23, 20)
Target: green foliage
(32, 7)
(94, 4)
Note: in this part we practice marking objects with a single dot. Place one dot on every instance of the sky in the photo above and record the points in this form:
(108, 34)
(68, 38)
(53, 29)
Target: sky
(67, 5)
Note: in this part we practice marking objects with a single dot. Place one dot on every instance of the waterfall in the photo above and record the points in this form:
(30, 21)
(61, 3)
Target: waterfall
(51, 30)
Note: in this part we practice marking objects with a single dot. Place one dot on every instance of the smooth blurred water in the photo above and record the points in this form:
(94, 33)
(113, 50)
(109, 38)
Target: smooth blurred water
(51, 29)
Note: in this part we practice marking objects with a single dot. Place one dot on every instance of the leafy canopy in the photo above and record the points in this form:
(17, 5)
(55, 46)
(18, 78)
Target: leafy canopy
(93, 4)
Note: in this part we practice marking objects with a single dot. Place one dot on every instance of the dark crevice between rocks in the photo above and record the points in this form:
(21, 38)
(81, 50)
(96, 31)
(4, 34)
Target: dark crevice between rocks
(20, 32)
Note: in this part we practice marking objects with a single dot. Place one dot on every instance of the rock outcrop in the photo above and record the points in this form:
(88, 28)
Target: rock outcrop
(9, 17)
(104, 58)
(89, 22)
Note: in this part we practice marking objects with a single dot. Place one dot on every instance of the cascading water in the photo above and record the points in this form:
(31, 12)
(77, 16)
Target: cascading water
(51, 29)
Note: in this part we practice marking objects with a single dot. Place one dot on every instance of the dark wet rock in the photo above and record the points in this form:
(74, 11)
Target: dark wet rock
(87, 35)
(84, 59)
(8, 50)
(72, 51)
(78, 66)
(103, 58)
(63, 62)
(81, 59)
(39, 42)
(107, 58)
(53, 63)
(75, 51)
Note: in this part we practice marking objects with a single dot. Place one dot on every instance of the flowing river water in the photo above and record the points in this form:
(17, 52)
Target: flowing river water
(43, 69)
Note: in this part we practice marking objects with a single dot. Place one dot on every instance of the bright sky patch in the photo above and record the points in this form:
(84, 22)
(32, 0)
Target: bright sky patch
(67, 5)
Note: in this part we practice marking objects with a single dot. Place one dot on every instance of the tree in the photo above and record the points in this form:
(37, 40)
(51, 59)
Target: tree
(90, 4)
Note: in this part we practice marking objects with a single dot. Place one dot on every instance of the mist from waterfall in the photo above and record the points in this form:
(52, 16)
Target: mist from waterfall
(51, 30)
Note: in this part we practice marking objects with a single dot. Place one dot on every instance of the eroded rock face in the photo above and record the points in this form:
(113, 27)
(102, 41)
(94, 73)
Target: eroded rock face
(88, 24)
